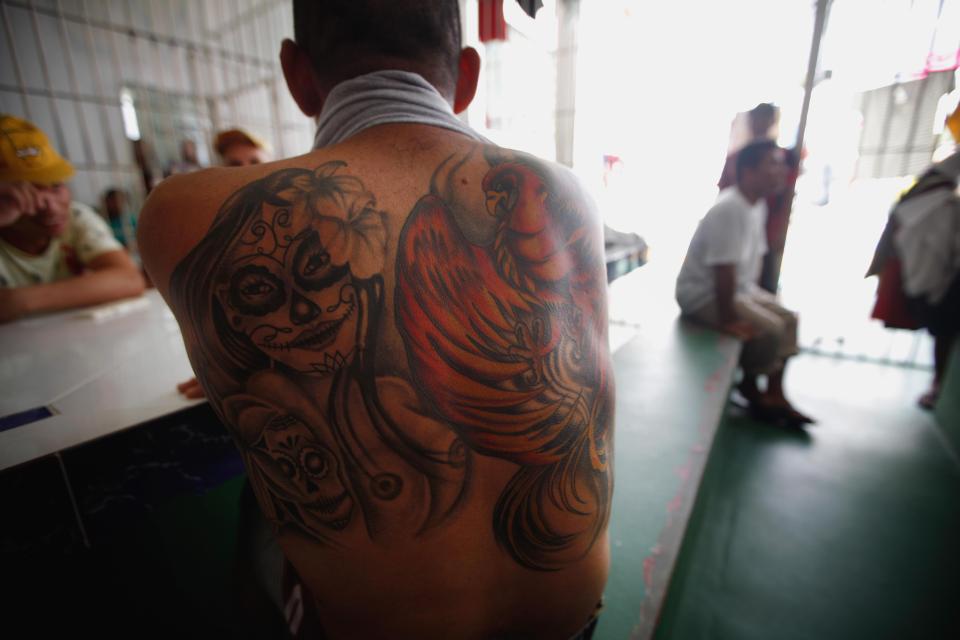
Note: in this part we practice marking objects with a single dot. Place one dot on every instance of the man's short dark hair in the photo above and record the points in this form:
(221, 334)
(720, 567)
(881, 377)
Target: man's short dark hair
(764, 110)
(753, 154)
(347, 38)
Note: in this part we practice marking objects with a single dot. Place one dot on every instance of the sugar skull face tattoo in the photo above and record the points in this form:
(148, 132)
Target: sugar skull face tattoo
(304, 472)
(288, 283)
(286, 294)
(291, 456)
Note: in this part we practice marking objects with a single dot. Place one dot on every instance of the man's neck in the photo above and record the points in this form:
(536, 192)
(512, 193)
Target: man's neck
(380, 97)
(26, 239)
(750, 195)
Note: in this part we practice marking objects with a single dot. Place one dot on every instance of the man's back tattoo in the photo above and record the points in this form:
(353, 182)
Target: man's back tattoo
(504, 343)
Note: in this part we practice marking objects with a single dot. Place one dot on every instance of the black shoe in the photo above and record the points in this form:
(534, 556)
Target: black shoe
(781, 416)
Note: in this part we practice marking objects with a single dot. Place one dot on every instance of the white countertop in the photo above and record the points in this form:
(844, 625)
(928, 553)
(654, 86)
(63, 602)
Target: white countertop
(99, 370)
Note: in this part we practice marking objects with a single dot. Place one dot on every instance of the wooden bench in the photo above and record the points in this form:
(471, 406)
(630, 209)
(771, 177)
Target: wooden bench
(673, 379)
(624, 252)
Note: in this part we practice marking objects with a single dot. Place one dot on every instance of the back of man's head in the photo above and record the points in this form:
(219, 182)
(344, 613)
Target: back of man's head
(752, 155)
(347, 38)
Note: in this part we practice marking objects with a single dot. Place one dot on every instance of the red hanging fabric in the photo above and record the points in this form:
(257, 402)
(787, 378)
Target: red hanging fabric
(492, 24)
(891, 305)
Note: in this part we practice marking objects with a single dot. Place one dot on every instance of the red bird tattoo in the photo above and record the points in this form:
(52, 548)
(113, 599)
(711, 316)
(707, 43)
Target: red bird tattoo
(507, 343)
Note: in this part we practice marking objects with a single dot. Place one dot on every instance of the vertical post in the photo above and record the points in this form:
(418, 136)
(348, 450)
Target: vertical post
(770, 278)
(568, 18)
(823, 7)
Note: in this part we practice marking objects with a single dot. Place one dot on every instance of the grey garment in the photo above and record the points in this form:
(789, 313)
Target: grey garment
(383, 97)
(927, 240)
(949, 166)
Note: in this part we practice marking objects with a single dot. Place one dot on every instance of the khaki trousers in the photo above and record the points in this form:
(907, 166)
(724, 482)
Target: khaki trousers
(777, 326)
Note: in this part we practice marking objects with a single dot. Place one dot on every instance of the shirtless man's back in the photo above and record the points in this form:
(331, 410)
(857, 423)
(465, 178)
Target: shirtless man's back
(405, 332)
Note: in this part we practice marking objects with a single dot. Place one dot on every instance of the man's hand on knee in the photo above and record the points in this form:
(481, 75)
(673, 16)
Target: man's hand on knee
(740, 329)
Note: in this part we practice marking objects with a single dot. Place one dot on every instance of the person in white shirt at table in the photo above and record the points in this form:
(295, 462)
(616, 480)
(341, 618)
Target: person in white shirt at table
(718, 284)
(55, 253)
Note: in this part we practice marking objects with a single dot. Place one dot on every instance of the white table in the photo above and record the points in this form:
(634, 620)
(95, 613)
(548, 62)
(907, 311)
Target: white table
(98, 370)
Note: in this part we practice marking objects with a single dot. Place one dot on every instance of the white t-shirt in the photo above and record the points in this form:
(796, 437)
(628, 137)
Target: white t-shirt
(732, 232)
(86, 237)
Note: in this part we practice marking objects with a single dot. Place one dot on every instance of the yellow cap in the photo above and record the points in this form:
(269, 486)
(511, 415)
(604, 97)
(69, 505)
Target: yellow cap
(230, 137)
(26, 154)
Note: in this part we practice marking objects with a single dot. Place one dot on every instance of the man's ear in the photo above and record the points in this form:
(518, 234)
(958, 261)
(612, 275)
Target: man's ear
(468, 74)
(301, 79)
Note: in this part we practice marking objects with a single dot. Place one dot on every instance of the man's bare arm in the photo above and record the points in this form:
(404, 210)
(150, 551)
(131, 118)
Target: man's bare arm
(112, 276)
(725, 288)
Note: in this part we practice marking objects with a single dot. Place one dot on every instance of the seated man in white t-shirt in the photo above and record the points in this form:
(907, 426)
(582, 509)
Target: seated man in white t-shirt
(718, 283)
(54, 253)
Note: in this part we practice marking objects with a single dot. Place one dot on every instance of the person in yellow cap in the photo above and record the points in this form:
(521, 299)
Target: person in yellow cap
(240, 148)
(54, 253)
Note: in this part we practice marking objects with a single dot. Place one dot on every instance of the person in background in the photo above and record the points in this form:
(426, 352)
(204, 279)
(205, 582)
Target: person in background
(405, 330)
(762, 121)
(918, 261)
(188, 159)
(123, 225)
(717, 285)
(55, 253)
(240, 148)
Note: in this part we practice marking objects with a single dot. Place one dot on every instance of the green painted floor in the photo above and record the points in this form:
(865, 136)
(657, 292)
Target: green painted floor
(851, 531)
(948, 406)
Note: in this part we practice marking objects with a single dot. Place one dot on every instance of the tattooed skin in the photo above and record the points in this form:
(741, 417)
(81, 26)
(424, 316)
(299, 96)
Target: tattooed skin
(507, 342)
(291, 456)
(503, 329)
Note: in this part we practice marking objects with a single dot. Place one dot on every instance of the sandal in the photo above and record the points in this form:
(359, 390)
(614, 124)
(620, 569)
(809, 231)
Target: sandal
(928, 400)
(775, 414)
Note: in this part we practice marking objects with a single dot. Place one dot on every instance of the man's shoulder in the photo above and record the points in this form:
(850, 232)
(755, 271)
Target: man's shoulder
(84, 219)
(180, 210)
(204, 192)
(80, 210)
(87, 234)
(183, 209)
(729, 203)
(559, 180)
